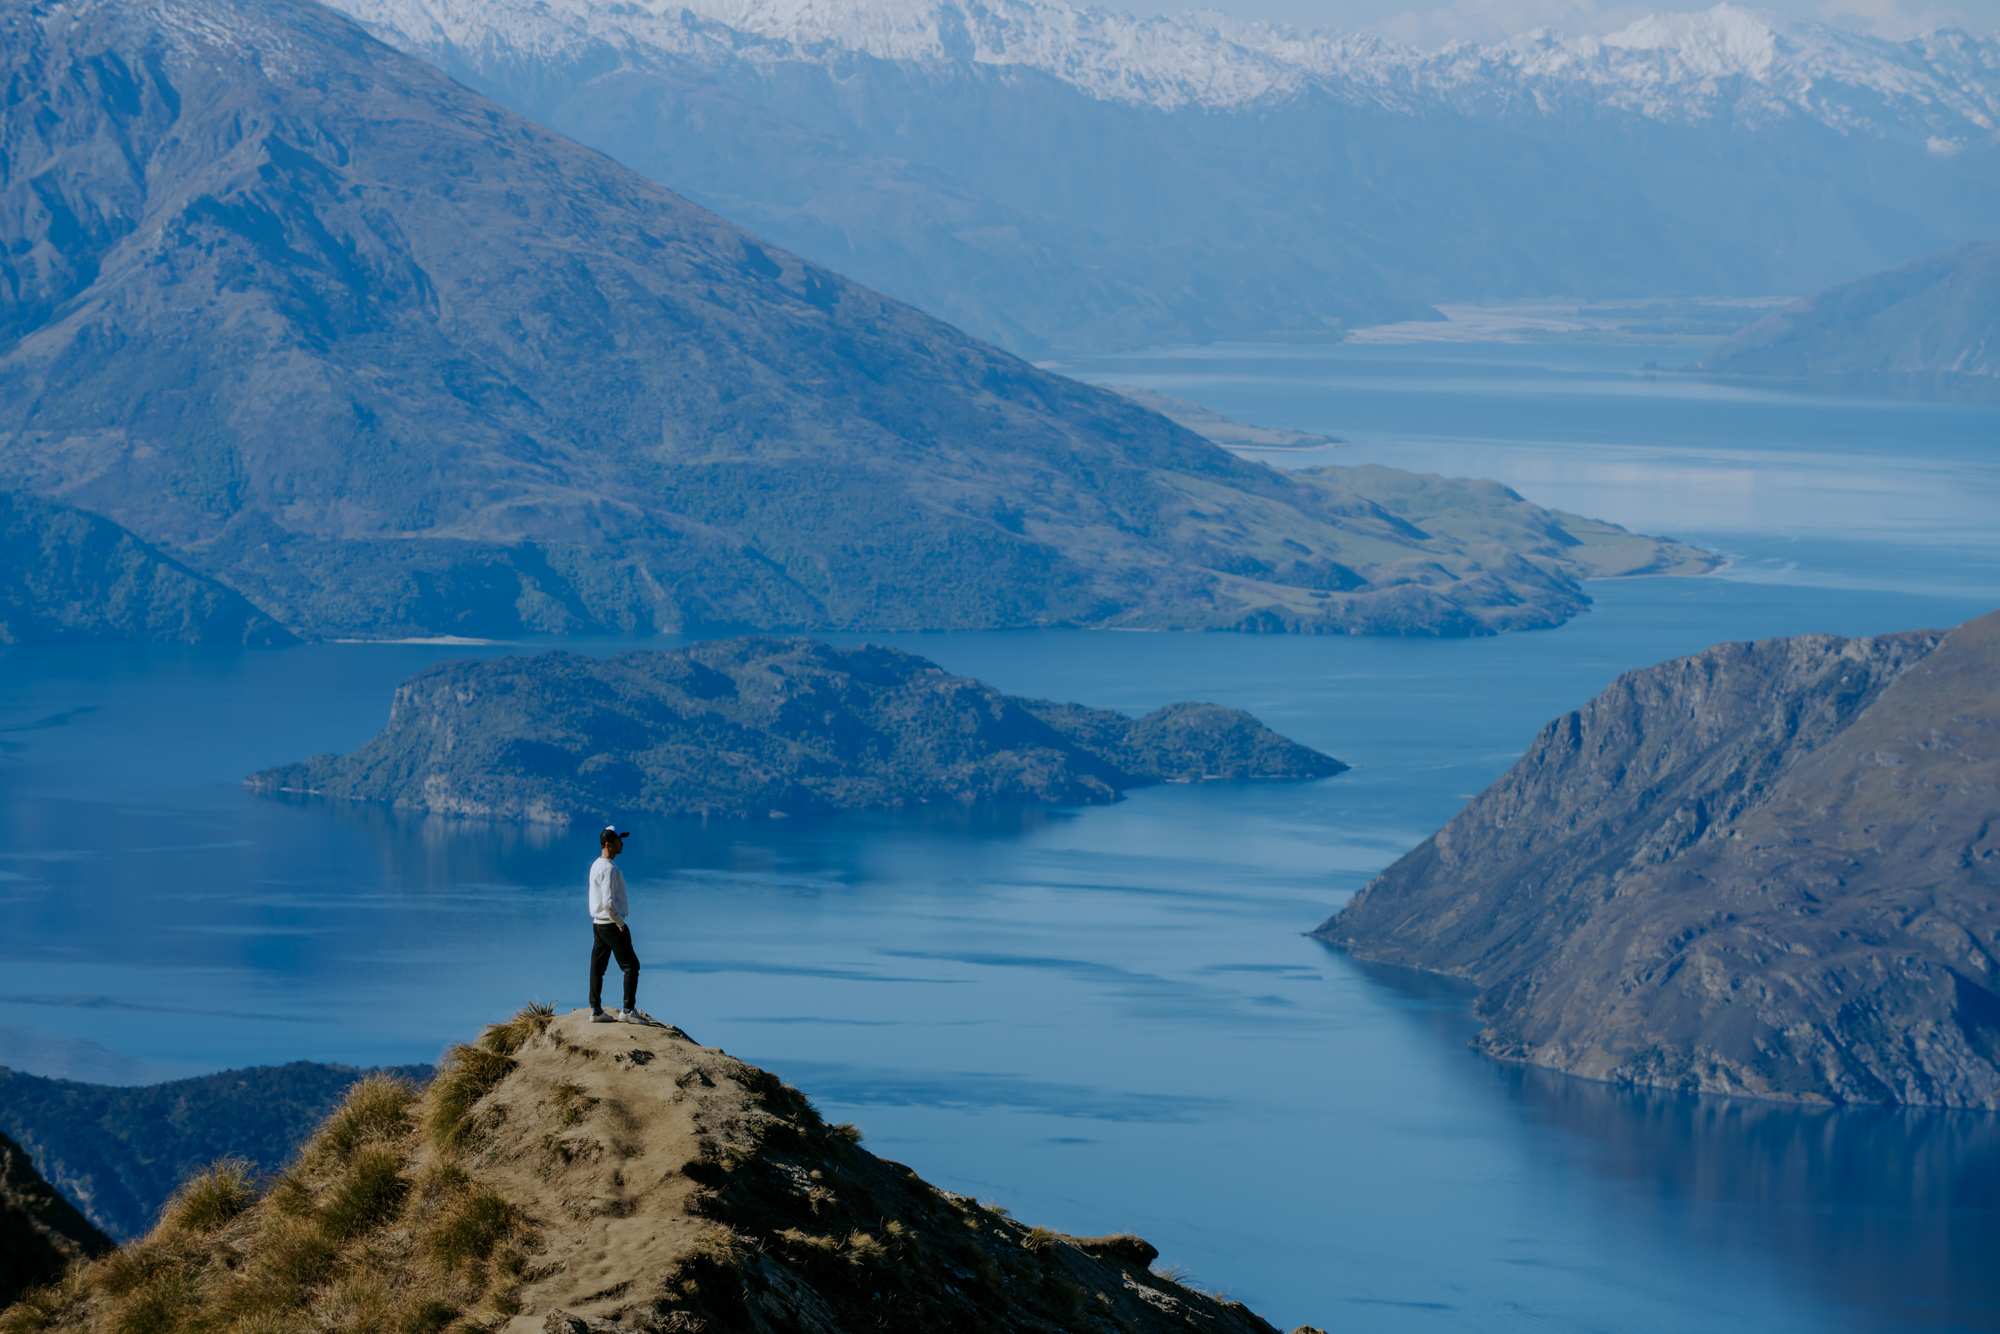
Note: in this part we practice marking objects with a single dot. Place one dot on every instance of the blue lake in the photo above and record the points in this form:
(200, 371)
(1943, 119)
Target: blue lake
(1109, 1018)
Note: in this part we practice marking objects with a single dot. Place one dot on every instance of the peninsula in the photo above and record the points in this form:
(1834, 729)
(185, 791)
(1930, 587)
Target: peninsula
(1769, 869)
(756, 726)
(1928, 327)
(69, 576)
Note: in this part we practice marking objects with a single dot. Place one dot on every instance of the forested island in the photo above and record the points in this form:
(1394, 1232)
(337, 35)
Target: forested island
(754, 727)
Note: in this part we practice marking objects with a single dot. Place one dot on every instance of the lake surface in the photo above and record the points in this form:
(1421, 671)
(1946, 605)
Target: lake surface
(1106, 1019)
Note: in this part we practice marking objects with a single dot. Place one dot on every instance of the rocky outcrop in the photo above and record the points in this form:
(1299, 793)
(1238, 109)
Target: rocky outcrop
(1929, 326)
(67, 576)
(41, 1233)
(564, 1177)
(1769, 869)
(756, 726)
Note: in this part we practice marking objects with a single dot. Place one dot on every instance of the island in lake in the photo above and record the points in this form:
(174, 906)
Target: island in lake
(757, 726)
(1769, 869)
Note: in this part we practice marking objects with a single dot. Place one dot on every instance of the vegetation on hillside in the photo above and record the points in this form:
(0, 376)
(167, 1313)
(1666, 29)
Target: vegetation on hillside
(601, 1179)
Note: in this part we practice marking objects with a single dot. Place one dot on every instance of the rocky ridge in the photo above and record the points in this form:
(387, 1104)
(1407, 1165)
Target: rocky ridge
(562, 1177)
(1770, 869)
(753, 727)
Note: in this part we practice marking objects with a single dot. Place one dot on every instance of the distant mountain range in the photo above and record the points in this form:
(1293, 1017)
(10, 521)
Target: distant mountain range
(386, 358)
(1051, 177)
(1769, 869)
(1929, 326)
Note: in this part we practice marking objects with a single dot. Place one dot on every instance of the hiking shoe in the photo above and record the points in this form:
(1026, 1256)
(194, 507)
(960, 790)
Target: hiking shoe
(637, 1017)
(600, 1017)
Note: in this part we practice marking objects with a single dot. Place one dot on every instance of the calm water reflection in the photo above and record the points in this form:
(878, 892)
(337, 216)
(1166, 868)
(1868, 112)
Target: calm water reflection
(1104, 1018)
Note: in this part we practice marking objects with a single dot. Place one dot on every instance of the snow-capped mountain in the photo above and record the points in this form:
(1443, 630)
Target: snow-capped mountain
(1049, 174)
(1686, 67)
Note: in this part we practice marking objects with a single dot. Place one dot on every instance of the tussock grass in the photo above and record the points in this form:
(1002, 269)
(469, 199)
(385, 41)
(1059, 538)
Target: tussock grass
(211, 1197)
(865, 1248)
(531, 1021)
(465, 1075)
(1040, 1240)
(375, 1108)
(367, 1196)
(377, 1228)
(469, 1072)
(156, 1306)
(38, 1308)
(846, 1130)
(470, 1230)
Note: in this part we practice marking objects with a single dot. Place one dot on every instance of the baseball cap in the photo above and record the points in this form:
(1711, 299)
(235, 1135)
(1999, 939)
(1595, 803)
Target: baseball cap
(616, 832)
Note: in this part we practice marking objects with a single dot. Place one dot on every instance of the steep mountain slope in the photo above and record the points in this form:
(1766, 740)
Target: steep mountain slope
(1931, 324)
(755, 727)
(1056, 177)
(41, 1233)
(67, 575)
(575, 1178)
(1770, 869)
(387, 358)
(119, 1152)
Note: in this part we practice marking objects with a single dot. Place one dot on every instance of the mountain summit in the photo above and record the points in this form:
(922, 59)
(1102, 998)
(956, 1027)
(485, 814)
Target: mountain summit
(561, 1177)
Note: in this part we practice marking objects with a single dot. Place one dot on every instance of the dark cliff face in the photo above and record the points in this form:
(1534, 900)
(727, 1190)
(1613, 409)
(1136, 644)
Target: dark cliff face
(754, 727)
(68, 576)
(1769, 869)
(387, 358)
(40, 1231)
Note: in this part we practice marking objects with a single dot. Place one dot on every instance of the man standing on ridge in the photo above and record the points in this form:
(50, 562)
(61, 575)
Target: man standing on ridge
(612, 936)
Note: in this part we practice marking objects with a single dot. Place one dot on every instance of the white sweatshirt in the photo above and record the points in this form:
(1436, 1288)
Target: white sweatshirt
(607, 892)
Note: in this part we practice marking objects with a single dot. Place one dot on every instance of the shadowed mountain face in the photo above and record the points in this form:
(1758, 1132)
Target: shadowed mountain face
(1930, 325)
(754, 727)
(1770, 869)
(388, 358)
(68, 575)
(40, 1231)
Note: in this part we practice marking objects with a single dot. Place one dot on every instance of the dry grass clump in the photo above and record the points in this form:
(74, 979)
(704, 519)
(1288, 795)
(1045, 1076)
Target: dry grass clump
(210, 1198)
(469, 1073)
(376, 1229)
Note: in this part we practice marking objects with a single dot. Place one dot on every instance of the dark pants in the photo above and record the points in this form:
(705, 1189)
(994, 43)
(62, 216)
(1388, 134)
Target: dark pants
(609, 940)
